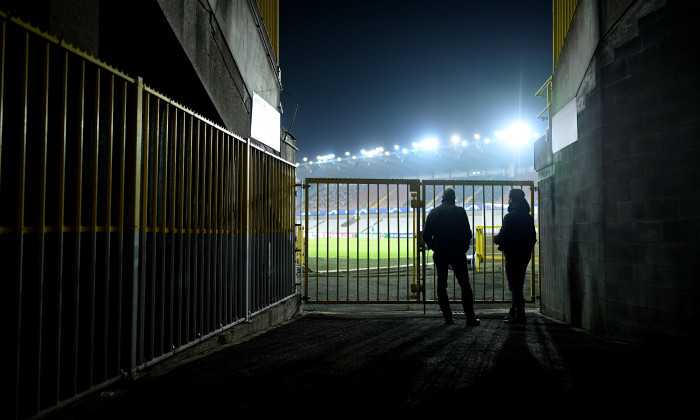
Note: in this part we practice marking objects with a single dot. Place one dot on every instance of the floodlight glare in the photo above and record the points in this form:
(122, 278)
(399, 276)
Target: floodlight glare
(476, 136)
(347, 153)
(325, 157)
(396, 147)
(305, 158)
(455, 139)
(516, 134)
(428, 144)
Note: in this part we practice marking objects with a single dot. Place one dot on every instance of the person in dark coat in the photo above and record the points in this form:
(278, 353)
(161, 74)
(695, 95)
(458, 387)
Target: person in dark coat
(517, 239)
(448, 233)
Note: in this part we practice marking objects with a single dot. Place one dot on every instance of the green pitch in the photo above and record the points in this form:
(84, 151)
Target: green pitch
(360, 248)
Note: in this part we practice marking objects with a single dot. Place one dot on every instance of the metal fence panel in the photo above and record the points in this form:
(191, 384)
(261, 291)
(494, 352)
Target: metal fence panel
(130, 228)
(362, 239)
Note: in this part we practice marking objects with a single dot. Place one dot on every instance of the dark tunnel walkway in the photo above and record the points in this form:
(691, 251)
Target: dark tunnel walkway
(406, 365)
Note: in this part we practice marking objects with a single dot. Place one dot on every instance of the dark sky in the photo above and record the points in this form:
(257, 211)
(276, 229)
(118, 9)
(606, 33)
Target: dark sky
(378, 73)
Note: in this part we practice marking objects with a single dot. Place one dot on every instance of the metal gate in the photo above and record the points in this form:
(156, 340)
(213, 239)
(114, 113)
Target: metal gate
(361, 240)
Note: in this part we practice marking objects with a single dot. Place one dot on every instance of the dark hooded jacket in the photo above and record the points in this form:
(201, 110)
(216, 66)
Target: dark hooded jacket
(517, 236)
(447, 229)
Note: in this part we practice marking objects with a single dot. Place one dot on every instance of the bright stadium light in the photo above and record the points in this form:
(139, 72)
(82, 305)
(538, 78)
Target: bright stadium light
(477, 136)
(516, 134)
(428, 144)
(455, 139)
(372, 153)
(347, 153)
(464, 143)
(325, 157)
(396, 147)
(405, 151)
(305, 159)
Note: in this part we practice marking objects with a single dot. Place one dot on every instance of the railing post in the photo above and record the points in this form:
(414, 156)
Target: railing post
(247, 228)
(132, 228)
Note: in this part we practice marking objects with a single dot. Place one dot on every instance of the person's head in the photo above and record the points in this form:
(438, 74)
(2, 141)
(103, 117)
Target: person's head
(448, 195)
(516, 194)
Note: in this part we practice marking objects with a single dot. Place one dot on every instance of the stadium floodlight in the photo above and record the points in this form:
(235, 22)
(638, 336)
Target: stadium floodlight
(338, 159)
(396, 147)
(325, 157)
(477, 136)
(405, 151)
(516, 134)
(347, 153)
(427, 144)
(305, 159)
(464, 143)
(487, 140)
(455, 139)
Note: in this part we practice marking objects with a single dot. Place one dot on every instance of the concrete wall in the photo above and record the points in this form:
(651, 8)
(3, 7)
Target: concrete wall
(619, 211)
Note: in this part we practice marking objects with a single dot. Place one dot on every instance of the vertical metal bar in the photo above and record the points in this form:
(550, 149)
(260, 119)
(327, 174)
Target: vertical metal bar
(171, 227)
(93, 225)
(247, 229)
(78, 217)
(61, 214)
(120, 221)
(180, 230)
(357, 242)
(219, 226)
(347, 240)
(188, 230)
(379, 250)
(198, 169)
(20, 207)
(42, 215)
(165, 298)
(337, 241)
(144, 117)
(108, 229)
(206, 232)
(176, 229)
(133, 221)
(306, 191)
(388, 239)
(368, 239)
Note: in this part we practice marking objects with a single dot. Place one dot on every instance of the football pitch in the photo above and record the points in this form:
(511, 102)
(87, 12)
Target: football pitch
(360, 248)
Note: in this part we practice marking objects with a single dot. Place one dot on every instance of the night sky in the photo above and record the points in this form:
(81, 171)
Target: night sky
(375, 73)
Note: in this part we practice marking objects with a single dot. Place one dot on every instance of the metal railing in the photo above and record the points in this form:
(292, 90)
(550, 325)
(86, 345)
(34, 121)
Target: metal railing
(362, 240)
(130, 228)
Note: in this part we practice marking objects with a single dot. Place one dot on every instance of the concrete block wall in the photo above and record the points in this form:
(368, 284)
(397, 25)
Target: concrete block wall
(621, 203)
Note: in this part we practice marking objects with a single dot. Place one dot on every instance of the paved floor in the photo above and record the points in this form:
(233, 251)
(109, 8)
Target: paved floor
(407, 364)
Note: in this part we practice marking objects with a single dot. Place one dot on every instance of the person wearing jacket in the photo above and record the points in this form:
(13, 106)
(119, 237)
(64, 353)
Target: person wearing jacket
(516, 239)
(447, 233)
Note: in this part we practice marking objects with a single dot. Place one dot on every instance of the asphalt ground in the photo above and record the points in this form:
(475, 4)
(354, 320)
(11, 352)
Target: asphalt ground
(342, 363)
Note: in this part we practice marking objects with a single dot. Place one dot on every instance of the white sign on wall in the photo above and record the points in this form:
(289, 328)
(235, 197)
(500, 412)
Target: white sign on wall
(564, 127)
(265, 123)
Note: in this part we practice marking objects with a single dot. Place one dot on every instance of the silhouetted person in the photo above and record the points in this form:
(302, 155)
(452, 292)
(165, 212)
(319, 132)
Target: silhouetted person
(448, 233)
(516, 239)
